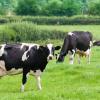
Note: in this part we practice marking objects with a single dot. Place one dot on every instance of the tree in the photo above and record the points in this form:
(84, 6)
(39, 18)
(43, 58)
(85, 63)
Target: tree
(84, 7)
(69, 8)
(53, 7)
(28, 7)
(7, 6)
(94, 9)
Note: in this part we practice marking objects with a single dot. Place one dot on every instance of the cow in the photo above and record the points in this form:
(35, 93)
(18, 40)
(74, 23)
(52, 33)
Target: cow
(76, 42)
(96, 43)
(25, 58)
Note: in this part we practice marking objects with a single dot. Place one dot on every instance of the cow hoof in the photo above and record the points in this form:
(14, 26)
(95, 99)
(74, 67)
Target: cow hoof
(22, 88)
(71, 63)
(39, 89)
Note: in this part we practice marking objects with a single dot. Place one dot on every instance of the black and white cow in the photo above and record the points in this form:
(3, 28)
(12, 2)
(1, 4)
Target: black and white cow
(23, 58)
(74, 41)
(96, 43)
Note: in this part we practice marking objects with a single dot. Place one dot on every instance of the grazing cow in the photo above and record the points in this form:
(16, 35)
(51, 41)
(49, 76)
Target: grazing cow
(23, 58)
(74, 42)
(96, 43)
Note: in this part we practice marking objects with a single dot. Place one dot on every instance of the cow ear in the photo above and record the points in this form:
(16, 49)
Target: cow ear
(57, 47)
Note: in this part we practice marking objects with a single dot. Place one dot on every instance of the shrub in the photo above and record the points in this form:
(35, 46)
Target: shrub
(25, 31)
(75, 20)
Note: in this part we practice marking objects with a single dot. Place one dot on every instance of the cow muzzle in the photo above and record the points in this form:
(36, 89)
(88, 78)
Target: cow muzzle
(60, 59)
(50, 57)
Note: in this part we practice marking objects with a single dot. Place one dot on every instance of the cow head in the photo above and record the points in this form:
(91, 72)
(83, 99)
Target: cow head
(48, 51)
(51, 49)
(60, 58)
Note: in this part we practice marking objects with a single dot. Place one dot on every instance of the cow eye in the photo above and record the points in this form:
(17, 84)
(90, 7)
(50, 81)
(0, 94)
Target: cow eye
(53, 49)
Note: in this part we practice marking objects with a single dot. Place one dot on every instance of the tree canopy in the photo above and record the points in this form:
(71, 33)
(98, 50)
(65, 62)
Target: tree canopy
(50, 7)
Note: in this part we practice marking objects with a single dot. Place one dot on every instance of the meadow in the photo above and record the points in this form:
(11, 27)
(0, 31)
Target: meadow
(60, 81)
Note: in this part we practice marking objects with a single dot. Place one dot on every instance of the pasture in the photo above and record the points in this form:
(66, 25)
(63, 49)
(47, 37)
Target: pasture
(60, 81)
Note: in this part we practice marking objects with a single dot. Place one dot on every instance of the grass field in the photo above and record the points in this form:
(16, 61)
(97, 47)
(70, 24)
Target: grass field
(60, 81)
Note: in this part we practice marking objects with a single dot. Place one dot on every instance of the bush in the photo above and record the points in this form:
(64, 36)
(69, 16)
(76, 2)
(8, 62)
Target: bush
(25, 31)
(4, 20)
(75, 20)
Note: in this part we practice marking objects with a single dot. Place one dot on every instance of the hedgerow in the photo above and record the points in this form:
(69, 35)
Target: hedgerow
(75, 20)
(25, 31)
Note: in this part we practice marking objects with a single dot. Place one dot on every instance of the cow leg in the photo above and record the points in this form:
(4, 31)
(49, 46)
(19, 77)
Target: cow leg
(38, 79)
(37, 75)
(24, 79)
(79, 59)
(88, 53)
(88, 57)
(71, 57)
(3, 71)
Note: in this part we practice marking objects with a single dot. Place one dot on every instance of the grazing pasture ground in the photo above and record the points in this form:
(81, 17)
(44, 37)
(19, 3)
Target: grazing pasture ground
(60, 81)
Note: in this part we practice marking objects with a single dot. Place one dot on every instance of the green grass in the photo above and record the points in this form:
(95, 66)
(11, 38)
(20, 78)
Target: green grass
(59, 82)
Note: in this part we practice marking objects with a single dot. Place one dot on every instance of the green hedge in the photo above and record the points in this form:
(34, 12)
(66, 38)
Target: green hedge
(25, 31)
(75, 20)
